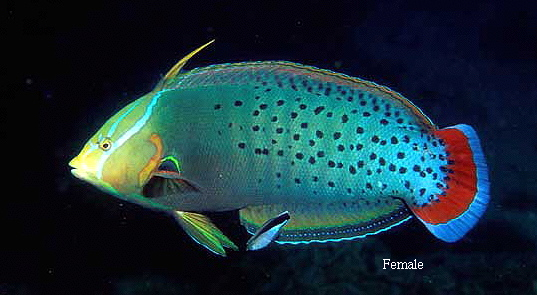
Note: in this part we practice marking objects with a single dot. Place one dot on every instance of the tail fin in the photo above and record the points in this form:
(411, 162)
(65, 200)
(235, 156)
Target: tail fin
(467, 194)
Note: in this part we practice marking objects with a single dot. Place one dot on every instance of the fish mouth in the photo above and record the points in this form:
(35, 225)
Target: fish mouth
(79, 172)
(90, 177)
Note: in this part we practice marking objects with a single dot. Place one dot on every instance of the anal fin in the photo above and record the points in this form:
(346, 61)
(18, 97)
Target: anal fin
(200, 228)
(329, 222)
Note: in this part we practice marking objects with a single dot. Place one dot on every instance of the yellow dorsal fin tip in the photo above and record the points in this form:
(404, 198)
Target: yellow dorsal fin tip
(179, 65)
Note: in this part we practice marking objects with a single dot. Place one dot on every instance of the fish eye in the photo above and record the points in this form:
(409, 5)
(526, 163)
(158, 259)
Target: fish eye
(105, 144)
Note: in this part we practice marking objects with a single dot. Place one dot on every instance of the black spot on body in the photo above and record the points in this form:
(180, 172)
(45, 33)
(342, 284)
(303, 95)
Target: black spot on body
(337, 135)
(318, 110)
(217, 106)
(242, 145)
(375, 139)
(319, 134)
(238, 103)
(352, 170)
(359, 130)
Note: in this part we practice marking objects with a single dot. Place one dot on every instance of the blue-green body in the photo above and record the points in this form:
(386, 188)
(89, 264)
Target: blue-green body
(345, 157)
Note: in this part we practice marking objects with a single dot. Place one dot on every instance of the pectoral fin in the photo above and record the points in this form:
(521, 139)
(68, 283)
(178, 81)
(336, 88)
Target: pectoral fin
(166, 183)
(200, 228)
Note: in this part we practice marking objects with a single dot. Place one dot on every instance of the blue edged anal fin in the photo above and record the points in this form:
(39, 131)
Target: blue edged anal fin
(268, 232)
(328, 222)
(200, 228)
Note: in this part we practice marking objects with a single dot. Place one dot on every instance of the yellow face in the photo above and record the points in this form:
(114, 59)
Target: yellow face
(121, 156)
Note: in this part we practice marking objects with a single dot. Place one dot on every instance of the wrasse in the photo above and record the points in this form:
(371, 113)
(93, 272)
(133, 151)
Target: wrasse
(341, 157)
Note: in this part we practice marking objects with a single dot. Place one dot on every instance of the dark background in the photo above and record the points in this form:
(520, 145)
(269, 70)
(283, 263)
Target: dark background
(70, 65)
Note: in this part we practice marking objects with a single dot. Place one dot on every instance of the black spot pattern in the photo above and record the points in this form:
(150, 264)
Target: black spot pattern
(353, 142)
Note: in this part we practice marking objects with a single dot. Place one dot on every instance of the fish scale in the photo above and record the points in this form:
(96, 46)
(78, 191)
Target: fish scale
(305, 155)
(317, 140)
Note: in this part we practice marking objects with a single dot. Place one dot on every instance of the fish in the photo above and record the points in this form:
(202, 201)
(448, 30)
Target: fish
(268, 232)
(345, 157)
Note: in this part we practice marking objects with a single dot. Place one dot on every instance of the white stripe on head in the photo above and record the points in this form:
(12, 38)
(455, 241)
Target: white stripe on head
(130, 132)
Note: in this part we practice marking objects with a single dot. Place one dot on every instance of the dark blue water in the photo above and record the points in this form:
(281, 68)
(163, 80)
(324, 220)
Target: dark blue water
(71, 65)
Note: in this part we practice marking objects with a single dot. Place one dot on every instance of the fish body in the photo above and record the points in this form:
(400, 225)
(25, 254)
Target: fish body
(345, 157)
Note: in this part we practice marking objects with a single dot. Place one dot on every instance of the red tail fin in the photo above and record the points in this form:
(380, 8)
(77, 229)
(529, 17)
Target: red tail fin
(467, 194)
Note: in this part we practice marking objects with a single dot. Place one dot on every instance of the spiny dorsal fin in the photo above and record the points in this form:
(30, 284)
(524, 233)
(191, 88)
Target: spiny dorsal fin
(172, 73)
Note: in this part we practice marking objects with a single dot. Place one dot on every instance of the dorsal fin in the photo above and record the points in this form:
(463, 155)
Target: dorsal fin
(172, 73)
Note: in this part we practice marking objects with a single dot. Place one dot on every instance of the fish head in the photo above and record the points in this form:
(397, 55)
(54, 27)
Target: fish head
(121, 156)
